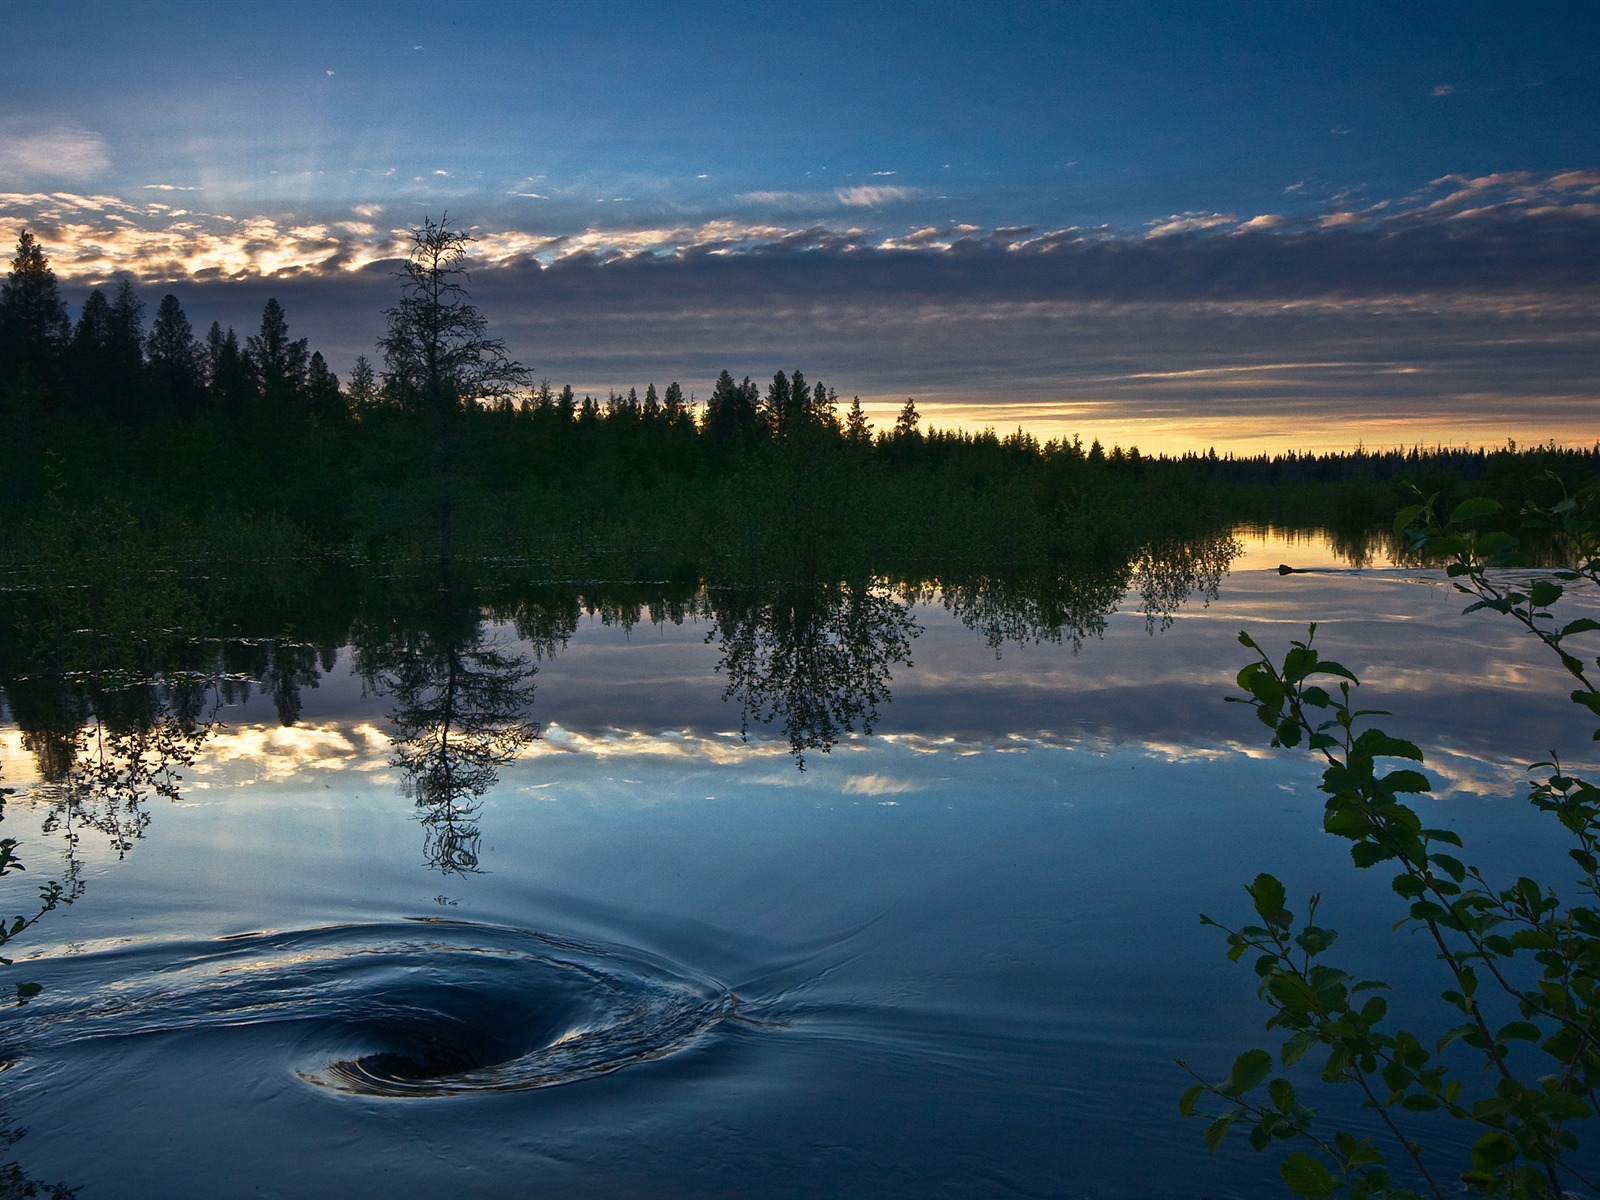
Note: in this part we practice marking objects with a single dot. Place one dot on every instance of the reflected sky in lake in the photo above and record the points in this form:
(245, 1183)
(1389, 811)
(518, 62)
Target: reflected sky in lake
(906, 969)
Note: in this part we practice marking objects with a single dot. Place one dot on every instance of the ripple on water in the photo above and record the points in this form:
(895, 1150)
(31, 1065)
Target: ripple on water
(407, 1009)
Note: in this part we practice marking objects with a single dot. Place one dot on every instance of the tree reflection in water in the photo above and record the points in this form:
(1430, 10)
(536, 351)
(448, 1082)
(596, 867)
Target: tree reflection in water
(815, 657)
(1071, 607)
(102, 753)
(461, 703)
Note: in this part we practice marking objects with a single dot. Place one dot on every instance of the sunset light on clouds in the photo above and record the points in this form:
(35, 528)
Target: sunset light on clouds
(1252, 226)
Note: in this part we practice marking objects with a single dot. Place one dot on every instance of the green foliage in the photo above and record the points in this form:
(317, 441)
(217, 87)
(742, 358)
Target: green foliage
(50, 895)
(1521, 967)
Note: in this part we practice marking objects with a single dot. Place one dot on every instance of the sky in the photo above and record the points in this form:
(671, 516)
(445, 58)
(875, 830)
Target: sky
(1248, 226)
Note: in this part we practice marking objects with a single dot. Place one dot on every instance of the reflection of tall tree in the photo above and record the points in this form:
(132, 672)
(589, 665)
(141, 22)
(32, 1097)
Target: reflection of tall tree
(816, 657)
(461, 703)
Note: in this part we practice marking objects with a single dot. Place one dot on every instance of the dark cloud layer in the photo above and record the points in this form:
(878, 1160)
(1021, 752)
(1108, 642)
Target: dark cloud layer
(1467, 315)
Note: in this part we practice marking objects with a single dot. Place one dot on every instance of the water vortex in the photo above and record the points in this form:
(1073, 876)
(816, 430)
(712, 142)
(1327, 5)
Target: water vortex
(409, 1009)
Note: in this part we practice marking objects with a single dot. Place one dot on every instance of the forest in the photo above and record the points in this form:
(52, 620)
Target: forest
(215, 445)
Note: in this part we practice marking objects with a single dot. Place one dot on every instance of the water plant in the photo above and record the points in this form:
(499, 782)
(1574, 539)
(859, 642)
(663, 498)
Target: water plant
(1519, 1066)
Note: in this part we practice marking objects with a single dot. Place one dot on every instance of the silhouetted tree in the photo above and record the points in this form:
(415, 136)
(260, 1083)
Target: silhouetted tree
(438, 356)
(732, 409)
(672, 400)
(322, 390)
(856, 427)
(905, 425)
(277, 364)
(89, 355)
(227, 372)
(33, 320)
(173, 357)
(361, 391)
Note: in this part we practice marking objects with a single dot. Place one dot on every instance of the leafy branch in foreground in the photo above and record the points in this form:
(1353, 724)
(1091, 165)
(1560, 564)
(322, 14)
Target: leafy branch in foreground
(50, 895)
(1521, 966)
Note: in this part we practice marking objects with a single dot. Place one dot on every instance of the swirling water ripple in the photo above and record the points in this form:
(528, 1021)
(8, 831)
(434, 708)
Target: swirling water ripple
(417, 1008)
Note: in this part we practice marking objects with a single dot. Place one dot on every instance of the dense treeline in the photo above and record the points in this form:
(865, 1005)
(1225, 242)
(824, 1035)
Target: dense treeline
(252, 446)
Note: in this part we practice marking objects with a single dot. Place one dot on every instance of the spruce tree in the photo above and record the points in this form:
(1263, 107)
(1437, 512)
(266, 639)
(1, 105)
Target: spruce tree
(33, 320)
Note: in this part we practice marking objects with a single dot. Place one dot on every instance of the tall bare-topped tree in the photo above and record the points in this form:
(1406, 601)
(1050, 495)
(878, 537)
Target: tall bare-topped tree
(438, 356)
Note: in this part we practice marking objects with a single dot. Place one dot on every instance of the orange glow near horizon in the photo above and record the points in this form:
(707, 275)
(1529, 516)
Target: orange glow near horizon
(1228, 435)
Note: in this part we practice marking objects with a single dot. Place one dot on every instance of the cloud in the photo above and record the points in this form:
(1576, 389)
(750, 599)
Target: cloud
(55, 152)
(871, 195)
(1498, 230)
(1189, 223)
(1444, 89)
(168, 187)
(879, 785)
(784, 198)
(860, 196)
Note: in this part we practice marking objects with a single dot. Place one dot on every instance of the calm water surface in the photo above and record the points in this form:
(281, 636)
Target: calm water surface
(400, 946)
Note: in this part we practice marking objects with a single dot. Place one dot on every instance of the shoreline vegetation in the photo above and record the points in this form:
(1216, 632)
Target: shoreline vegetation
(217, 448)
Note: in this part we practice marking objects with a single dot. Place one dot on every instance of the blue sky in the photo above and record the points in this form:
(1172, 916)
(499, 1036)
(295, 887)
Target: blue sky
(1239, 224)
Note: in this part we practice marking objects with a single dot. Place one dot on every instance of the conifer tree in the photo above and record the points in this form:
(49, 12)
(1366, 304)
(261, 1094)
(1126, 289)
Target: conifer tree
(322, 389)
(857, 428)
(438, 355)
(227, 372)
(277, 364)
(33, 320)
(173, 357)
(362, 390)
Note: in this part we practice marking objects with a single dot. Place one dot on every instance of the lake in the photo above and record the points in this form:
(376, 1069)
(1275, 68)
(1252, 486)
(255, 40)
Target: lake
(413, 887)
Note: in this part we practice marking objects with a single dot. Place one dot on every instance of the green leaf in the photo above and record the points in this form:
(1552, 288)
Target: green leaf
(1218, 1130)
(1478, 506)
(1407, 781)
(1405, 517)
(1519, 1031)
(1296, 1047)
(1544, 593)
(1189, 1099)
(1305, 1176)
(1282, 1093)
(1268, 895)
(1314, 940)
(1493, 1150)
(1366, 854)
(1249, 1070)
(1581, 625)
(1491, 544)
(1299, 663)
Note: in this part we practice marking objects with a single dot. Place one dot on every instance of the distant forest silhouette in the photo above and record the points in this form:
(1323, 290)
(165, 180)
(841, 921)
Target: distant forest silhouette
(217, 445)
